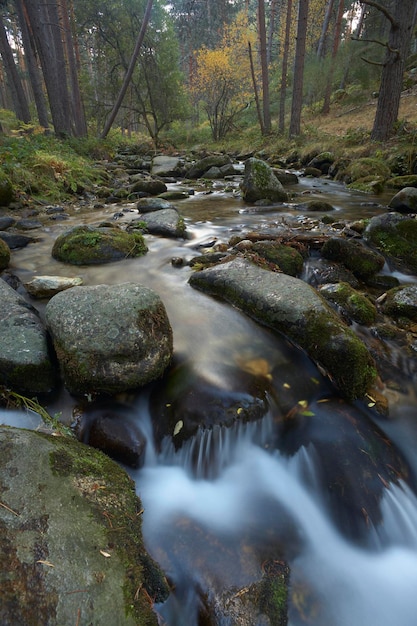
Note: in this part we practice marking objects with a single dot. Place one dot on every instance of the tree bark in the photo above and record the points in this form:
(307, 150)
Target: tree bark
(49, 46)
(284, 69)
(402, 21)
(325, 28)
(129, 72)
(35, 76)
(264, 67)
(335, 48)
(300, 51)
(20, 104)
(255, 90)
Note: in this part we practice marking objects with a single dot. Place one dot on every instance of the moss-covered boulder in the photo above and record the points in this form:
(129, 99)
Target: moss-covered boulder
(355, 305)
(316, 206)
(367, 166)
(6, 190)
(402, 302)
(71, 541)
(260, 183)
(288, 259)
(405, 201)
(93, 245)
(109, 338)
(290, 306)
(148, 185)
(401, 182)
(396, 236)
(4, 255)
(354, 255)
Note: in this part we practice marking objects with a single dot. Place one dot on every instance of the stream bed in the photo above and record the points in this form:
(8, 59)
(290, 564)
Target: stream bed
(232, 502)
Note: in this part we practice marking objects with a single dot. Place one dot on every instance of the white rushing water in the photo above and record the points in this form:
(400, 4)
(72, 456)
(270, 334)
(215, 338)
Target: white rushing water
(347, 585)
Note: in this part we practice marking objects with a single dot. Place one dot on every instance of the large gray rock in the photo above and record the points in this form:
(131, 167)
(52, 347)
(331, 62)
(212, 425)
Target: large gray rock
(292, 307)
(25, 363)
(405, 201)
(395, 235)
(109, 338)
(199, 168)
(165, 223)
(163, 165)
(71, 544)
(260, 183)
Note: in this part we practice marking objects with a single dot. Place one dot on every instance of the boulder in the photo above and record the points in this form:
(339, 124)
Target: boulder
(148, 185)
(286, 258)
(93, 245)
(25, 361)
(202, 166)
(147, 205)
(163, 165)
(109, 338)
(405, 201)
(354, 255)
(165, 223)
(15, 240)
(71, 541)
(355, 305)
(402, 302)
(396, 236)
(294, 308)
(260, 183)
(48, 286)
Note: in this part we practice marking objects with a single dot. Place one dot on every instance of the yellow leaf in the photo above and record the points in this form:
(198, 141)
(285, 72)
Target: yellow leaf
(106, 554)
(178, 427)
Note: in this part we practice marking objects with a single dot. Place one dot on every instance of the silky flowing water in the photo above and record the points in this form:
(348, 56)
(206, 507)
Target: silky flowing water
(231, 501)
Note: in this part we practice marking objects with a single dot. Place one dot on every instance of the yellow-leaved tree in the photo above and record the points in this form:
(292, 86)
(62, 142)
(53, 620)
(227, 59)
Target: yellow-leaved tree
(222, 79)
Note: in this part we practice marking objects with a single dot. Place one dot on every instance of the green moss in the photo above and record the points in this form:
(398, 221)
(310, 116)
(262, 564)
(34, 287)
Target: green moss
(356, 305)
(111, 494)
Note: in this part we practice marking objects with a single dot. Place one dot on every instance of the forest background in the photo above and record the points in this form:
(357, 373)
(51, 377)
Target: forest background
(218, 73)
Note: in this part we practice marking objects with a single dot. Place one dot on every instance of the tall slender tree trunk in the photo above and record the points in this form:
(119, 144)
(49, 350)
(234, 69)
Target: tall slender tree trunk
(325, 28)
(129, 72)
(264, 67)
(284, 70)
(20, 104)
(271, 29)
(80, 125)
(255, 90)
(335, 48)
(35, 76)
(402, 19)
(300, 52)
(46, 34)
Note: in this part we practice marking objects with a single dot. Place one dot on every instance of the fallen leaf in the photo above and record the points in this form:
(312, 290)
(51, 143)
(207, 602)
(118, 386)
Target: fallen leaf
(106, 554)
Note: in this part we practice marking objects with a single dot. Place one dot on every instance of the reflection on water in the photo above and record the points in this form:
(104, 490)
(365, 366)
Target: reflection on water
(212, 526)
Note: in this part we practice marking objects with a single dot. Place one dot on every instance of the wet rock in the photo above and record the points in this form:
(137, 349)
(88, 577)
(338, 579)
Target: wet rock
(165, 223)
(71, 527)
(286, 178)
(147, 205)
(164, 166)
(28, 224)
(188, 402)
(354, 255)
(322, 161)
(290, 306)
(288, 259)
(322, 271)
(355, 305)
(395, 235)
(259, 183)
(401, 302)
(405, 201)
(90, 245)
(48, 286)
(7, 222)
(4, 255)
(316, 206)
(149, 185)
(15, 240)
(109, 338)
(25, 361)
(199, 169)
(112, 428)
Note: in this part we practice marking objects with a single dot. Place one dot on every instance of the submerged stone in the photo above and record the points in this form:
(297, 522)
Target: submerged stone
(290, 306)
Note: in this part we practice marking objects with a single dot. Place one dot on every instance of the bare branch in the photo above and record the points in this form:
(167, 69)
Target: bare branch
(385, 44)
(384, 10)
(373, 62)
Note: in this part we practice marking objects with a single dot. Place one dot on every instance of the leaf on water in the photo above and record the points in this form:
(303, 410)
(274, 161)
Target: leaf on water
(178, 427)
(240, 410)
(307, 413)
(45, 563)
(303, 403)
(286, 386)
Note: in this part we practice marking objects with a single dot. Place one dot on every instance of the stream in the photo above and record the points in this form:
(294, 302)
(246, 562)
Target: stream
(231, 502)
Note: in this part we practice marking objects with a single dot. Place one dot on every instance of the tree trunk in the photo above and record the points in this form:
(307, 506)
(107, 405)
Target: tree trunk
(402, 19)
(284, 71)
(20, 104)
(271, 30)
(300, 51)
(264, 68)
(78, 117)
(336, 42)
(325, 28)
(35, 76)
(49, 46)
(129, 71)
(255, 90)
